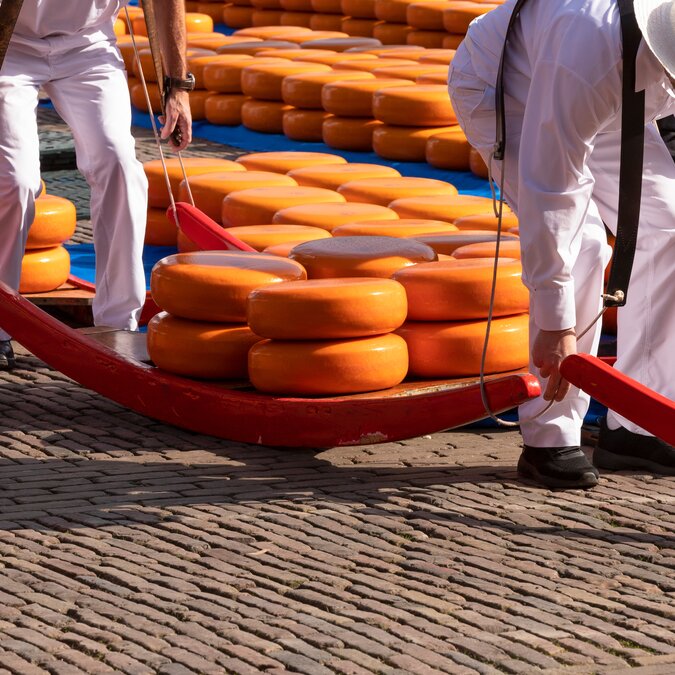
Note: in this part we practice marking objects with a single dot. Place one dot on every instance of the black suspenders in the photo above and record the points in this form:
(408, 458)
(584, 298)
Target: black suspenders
(632, 149)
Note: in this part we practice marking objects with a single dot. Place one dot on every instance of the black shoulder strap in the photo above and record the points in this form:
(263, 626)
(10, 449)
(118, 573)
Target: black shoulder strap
(632, 148)
(632, 154)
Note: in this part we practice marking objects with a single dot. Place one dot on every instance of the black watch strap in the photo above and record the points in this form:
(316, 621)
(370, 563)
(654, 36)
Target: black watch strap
(180, 84)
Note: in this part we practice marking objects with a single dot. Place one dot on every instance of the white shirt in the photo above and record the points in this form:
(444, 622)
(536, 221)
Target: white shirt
(66, 24)
(565, 61)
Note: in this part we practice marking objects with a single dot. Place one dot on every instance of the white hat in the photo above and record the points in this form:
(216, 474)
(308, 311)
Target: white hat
(656, 19)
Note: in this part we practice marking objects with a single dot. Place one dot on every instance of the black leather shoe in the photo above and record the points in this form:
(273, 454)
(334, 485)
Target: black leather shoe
(565, 467)
(7, 360)
(622, 449)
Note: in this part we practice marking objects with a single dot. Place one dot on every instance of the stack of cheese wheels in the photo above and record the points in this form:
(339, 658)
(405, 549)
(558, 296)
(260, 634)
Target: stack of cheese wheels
(384, 191)
(441, 207)
(160, 231)
(202, 329)
(46, 264)
(427, 20)
(332, 177)
(448, 305)
(448, 150)
(328, 336)
(261, 237)
(359, 256)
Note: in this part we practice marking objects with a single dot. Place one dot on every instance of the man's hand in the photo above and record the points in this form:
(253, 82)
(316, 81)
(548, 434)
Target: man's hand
(177, 116)
(550, 348)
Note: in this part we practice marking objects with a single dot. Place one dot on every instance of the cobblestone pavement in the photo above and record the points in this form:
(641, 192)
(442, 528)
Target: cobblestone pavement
(130, 546)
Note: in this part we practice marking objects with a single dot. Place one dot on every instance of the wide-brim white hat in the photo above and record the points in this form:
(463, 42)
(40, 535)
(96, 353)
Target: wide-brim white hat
(656, 19)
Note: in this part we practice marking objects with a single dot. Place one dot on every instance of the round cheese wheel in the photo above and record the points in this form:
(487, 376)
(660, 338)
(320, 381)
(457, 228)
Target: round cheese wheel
(405, 227)
(214, 74)
(447, 243)
(198, 23)
(407, 52)
(225, 77)
(350, 133)
(488, 249)
(196, 66)
(326, 23)
(441, 207)
(331, 58)
(212, 40)
(272, 32)
(126, 47)
(318, 35)
(119, 27)
(340, 44)
(209, 190)
(258, 206)
(224, 109)
(44, 269)
(201, 349)
(282, 250)
(371, 65)
(477, 164)
(295, 19)
(138, 99)
(403, 144)
(254, 47)
(214, 285)
(331, 216)
(458, 15)
(452, 41)
(237, 17)
(158, 196)
(159, 230)
(386, 49)
(359, 256)
(265, 81)
(138, 26)
(267, 117)
(304, 125)
(295, 54)
(285, 161)
(426, 15)
(431, 39)
(327, 6)
(355, 99)
(395, 11)
(148, 67)
(214, 10)
(456, 290)
(440, 78)
(260, 237)
(198, 104)
(383, 191)
(487, 221)
(325, 309)
(448, 150)
(266, 4)
(304, 90)
(297, 6)
(442, 56)
(357, 27)
(440, 349)
(360, 9)
(331, 177)
(324, 367)
(266, 17)
(410, 72)
(391, 33)
(54, 222)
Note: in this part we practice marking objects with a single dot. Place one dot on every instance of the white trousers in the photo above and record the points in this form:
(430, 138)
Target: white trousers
(646, 324)
(88, 88)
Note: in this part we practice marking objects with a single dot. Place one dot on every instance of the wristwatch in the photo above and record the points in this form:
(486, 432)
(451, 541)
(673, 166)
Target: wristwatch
(171, 83)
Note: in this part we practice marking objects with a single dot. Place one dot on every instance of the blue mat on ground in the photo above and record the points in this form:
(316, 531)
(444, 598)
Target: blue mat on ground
(240, 137)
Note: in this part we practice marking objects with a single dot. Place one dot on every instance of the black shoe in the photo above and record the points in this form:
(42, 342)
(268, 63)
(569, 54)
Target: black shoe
(7, 360)
(565, 467)
(622, 449)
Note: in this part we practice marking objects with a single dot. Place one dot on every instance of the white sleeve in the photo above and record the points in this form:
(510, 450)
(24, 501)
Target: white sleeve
(562, 117)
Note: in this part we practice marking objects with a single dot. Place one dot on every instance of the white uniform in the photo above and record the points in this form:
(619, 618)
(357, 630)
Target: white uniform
(71, 53)
(563, 117)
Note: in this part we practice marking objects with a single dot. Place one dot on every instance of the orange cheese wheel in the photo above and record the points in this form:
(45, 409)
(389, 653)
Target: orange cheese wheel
(449, 150)
(358, 27)
(214, 285)
(410, 72)
(383, 191)
(44, 269)
(331, 216)
(138, 26)
(487, 221)
(224, 109)
(266, 17)
(199, 63)
(126, 47)
(158, 196)
(237, 17)
(403, 144)
(294, 54)
(304, 125)
(441, 207)
(326, 22)
(148, 66)
(304, 90)
(458, 16)
(258, 205)
(209, 190)
(253, 47)
(271, 32)
(359, 9)
(292, 367)
(395, 11)
(331, 58)
(433, 78)
(159, 230)
(355, 99)
(350, 133)
(384, 50)
(440, 349)
(139, 101)
(198, 103)
(225, 78)
(327, 6)
(452, 41)
(325, 309)
(282, 250)
(359, 256)
(331, 177)
(426, 15)
(430, 39)
(406, 52)
(260, 237)
(201, 349)
(404, 227)
(54, 222)
(295, 19)
(371, 65)
(266, 117)
(264, 81)
(477, 164)
(450, 241)
(266, 4)
(488, 249)
(285, 161)
(340, 44)
(213, 9)
(297, 6)
(314, 35)
(119, 27)
(198, 23)
(442, 56)
(391, 33)
(457, 290)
